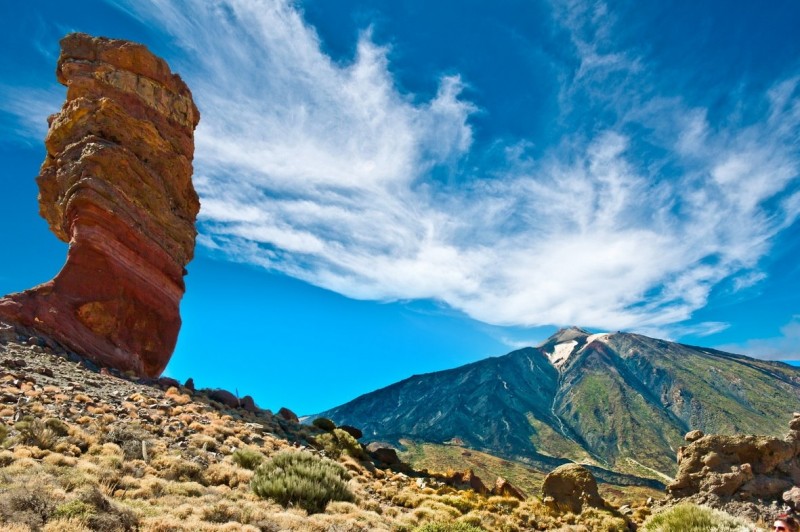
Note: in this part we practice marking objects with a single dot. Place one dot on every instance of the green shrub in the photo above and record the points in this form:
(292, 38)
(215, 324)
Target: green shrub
(694, 518)
(74, 509)
(301, 479)
(447, 527)
(58, 427)
(324, 424)
(339, 441)
(247, 458)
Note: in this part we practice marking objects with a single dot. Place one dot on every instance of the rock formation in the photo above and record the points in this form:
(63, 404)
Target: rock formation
(116, 185)
(760, 470)
(571, 488)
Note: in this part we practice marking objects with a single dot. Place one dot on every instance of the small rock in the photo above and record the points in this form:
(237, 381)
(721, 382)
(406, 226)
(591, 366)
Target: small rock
(189, 384)
(504, 488)
(693, 435)
(792, 497)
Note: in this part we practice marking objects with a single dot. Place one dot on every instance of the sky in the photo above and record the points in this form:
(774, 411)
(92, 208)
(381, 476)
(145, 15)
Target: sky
(396, 187)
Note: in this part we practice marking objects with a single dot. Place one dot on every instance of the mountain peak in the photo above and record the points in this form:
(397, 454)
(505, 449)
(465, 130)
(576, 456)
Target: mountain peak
(566, 334)
(567, 341)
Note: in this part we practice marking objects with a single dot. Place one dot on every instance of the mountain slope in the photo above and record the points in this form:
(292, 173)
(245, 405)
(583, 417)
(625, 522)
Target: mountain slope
(619, 401)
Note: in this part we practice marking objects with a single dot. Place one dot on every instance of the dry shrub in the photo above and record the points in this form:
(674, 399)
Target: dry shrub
(130, 437)
(184, 489)
(594, 519)
(408, 498)
(447, 527)
(225, 474)
(149, 488)
(31, 504)
(58, 459)
(203, 442)
(177, 397)
(6, 458)
(445, 512)
(65, 525)
(175, 467)
(221, 512)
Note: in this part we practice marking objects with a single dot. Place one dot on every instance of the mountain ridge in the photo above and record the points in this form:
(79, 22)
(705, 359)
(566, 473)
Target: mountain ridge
(617, 401)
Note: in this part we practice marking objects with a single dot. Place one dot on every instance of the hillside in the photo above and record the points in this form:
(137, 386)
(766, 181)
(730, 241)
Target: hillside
(620, 401)
(84, 448)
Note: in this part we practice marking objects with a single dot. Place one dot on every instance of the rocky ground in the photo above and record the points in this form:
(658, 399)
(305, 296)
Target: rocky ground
(89, 449)
(85, 448)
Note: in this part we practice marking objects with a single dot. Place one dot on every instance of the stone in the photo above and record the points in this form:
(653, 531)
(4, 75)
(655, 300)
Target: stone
(504, 488)
(792, 497)
(726, 469)
(383, 454)
(693, 435)
(116, 185)
(288, 415)
(572, 487)
(223, 396)
(167, 382)
(248, 403)
(353, 431)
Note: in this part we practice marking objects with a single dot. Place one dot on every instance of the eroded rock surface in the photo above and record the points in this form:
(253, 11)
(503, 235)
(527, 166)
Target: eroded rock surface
(757, 470)
(571, 488)
(116, 185)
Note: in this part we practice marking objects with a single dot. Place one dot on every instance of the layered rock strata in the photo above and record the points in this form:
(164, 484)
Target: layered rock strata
(116, 185)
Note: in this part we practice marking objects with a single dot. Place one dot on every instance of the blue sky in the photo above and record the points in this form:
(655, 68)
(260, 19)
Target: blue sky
(395, 187)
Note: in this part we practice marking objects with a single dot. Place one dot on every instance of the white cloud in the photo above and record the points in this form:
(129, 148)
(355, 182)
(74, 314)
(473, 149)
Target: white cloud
(29, 108)
(783, 347)
(321, 170)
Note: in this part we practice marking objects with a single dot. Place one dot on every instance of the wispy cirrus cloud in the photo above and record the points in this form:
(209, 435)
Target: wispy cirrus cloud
(28, 109)
(322, 170)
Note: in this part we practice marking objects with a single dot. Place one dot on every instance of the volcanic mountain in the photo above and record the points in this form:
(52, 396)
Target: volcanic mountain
(621, 402)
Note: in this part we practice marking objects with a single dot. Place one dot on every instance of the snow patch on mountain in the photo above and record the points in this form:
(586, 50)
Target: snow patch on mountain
(561, 353)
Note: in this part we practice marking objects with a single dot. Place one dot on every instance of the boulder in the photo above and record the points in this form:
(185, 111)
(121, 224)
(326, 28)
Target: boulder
(223, 396)
(288, 415)
(744, 467)
(324, 423)
(116, 185)
(248, 403)
(571, 488)
(352, 431)
(385, 455)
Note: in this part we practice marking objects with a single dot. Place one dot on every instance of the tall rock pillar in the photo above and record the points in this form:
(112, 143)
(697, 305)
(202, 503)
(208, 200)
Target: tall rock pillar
(116, 185)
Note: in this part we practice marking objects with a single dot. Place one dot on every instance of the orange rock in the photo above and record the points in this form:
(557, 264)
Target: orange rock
(116, 184)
